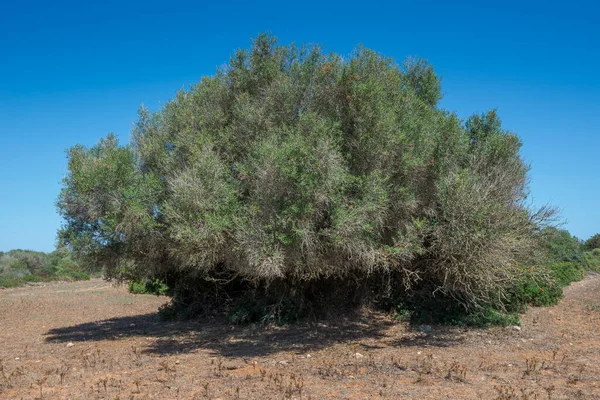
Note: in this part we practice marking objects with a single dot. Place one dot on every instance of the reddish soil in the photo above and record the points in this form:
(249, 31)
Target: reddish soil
(90, 340)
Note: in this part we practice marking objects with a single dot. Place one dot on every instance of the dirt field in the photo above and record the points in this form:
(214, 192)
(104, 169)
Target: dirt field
(90, 340)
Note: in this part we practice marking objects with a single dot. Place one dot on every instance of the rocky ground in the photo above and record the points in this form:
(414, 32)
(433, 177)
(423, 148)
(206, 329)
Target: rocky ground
(91, 340)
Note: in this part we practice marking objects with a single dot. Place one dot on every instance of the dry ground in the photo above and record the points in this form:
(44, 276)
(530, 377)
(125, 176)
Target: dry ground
(90, 340)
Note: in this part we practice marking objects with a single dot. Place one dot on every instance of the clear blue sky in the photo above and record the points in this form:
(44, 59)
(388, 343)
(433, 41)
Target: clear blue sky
(72, 72)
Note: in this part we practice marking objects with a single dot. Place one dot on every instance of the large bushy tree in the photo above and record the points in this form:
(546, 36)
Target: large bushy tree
(294, 166)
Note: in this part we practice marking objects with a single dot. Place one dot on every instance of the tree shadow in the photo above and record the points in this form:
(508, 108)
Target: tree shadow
(440, 336)
(173, 337)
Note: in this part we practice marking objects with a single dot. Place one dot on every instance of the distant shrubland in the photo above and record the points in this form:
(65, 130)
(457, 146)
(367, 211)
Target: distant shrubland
(296, 182)
(21, 266)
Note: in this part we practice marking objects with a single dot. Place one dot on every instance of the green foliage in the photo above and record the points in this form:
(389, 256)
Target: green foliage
(560, 262)
(6, 282)
(147, 286)
(21, 266)
(488, 316)
(444, 311)
(291, 167)
(538, 288)
(543, 285)
(402, 313)
(565, 273)
(560, 246)
(33, 278)
(592, 243)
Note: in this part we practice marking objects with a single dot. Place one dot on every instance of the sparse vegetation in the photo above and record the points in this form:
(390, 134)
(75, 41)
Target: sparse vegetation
(122, 350)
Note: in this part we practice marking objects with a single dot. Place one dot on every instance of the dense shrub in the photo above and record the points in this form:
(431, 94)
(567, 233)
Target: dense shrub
(543, 286)
(538, 286)
(592, 243)
(561, 260)
(6, 282)
(22, 266)
(291, 170)
(149, 286)
(558, 245)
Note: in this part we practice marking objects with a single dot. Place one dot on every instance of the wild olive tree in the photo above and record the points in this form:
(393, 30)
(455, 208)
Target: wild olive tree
(293, 166)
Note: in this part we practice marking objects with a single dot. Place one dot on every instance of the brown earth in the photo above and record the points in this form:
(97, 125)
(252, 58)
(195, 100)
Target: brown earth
(90, 340)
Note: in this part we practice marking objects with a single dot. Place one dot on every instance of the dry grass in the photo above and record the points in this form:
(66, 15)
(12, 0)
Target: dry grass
(74, 341)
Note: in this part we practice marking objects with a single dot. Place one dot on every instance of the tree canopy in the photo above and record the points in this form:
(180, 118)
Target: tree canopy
(293, 165)
(593, 242)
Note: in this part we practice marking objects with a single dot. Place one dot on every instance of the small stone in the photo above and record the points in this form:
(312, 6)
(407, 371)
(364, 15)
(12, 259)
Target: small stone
(177, 361)
(308, 356)
(70, 344)
(516, 328)
(17, 358)
(358, 356)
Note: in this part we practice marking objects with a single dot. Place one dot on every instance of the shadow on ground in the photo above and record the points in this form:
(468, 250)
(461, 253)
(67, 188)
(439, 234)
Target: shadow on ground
(248, 341)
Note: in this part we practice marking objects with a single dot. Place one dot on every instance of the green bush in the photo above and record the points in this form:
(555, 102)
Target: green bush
(558, 246)
(592, 243)
(6, 282)
(71, 275)
(149, 286)
(539, 286)
(488, 316)
(442, 311)
(593, 259)
(537, 292)
(565, 273)
(32, 278)
(22, 266)
(292, 167)
(544, 286)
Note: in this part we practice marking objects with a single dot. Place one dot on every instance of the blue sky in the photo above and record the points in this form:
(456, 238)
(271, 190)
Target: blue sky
(72, 72)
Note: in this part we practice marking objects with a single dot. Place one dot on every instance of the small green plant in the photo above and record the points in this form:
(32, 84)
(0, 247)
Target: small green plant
(401, 313)
(149, 286)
